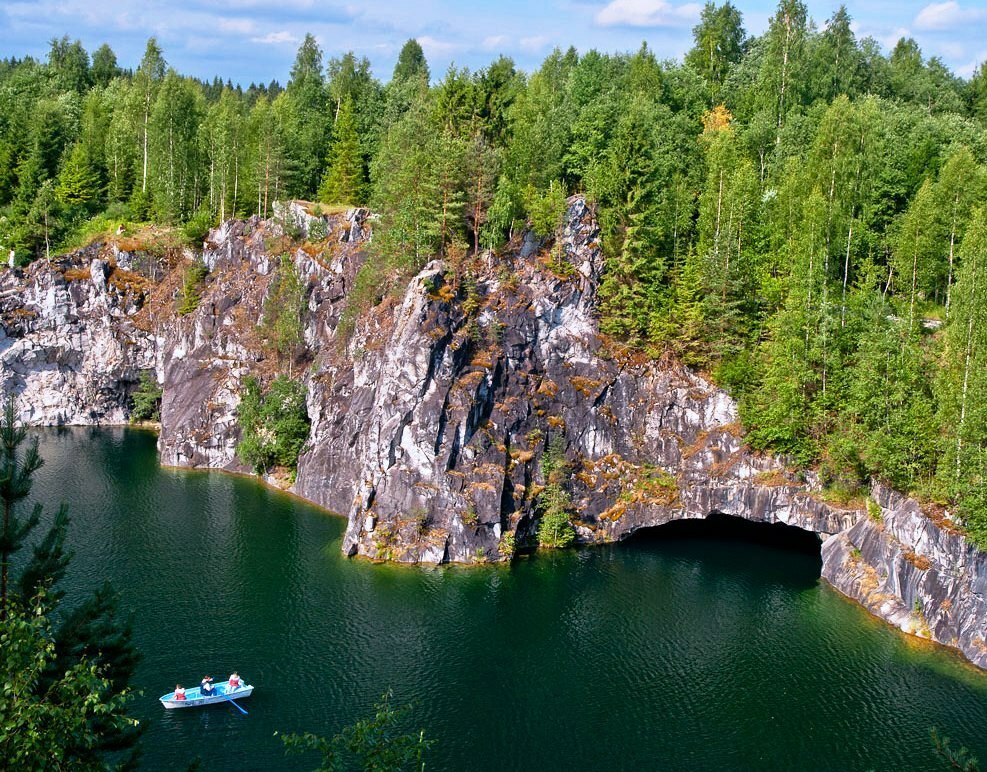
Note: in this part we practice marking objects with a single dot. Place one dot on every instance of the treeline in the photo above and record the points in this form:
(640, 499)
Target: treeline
(797, 214)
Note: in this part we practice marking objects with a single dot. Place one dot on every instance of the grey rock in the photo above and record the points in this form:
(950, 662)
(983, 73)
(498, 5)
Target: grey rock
(429, 423)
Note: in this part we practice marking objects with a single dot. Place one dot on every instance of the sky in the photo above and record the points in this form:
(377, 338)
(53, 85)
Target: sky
(255, 40)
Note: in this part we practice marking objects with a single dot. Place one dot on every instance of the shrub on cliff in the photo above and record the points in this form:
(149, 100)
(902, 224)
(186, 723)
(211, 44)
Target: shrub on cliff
(273, 424)
(554, 503)
(146, 399)
(190, 295)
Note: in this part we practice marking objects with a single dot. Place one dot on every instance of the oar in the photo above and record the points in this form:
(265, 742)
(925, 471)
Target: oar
(234, 704)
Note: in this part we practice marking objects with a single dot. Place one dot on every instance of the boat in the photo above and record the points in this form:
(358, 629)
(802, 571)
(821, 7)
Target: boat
(194, 697)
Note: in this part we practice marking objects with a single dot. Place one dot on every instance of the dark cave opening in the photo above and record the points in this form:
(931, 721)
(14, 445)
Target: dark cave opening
(727, 528)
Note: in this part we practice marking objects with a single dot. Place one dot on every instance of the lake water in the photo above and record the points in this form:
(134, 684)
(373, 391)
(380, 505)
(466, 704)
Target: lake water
(681, 652)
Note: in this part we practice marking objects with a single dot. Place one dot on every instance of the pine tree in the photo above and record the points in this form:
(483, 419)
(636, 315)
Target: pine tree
(18, 463)
(65, 686)
(78, 184)
(344, 182)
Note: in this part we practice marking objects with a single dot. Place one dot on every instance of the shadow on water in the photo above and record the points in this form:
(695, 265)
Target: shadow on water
(727, 538)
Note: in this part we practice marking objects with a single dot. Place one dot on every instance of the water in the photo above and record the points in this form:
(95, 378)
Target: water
(678, 653)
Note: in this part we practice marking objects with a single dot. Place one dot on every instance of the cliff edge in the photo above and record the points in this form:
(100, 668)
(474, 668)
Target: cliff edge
(431, 416)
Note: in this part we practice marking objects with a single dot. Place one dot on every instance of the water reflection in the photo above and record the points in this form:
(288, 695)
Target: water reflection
(672, 651)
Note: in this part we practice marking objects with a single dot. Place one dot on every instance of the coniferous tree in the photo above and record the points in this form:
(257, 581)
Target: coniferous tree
(78, 184)
(307, 127)
(65, 686)
(344, 181)
(411, 64)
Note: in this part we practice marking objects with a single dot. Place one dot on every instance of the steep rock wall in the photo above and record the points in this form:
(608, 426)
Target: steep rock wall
(70, 347)
(430, 419)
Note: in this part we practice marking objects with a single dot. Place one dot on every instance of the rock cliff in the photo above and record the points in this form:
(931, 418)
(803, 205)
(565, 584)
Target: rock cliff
(430, 418)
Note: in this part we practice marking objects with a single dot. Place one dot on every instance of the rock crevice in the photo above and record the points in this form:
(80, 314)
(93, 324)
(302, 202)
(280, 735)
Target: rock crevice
(429, 420)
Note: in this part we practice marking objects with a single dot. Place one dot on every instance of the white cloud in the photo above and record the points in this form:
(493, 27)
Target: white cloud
(435, 47)
(493, 42)
(533, 43)
(647, 13)
(275, 38)
(236, 26)
(947, 16)
(966, 70)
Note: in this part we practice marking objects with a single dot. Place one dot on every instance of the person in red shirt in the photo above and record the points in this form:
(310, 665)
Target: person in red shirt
(179, 692)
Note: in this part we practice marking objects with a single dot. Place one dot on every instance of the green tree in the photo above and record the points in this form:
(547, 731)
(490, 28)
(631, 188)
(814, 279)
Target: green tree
(836, 65)
(104, 67)
(78, 184)
(306, 125)
(266, 152)
(174, 148)
(344, 181)
(718, 45)
(376, 743)
(68, 64)
(273, 423)
(18, 463)
(52, 726)
(65, 686)
(146, 398)
(411, 63)
(147, 80)
(555, 507)
(224, 138)
(962, 383)
(406, 192)
(284, 308)
(783, 61)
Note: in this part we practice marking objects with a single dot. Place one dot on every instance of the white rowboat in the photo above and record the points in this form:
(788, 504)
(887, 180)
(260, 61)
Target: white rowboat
(194, 697)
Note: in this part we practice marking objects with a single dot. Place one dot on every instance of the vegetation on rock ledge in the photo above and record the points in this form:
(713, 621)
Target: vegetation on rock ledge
(797, 214)
(274, 424)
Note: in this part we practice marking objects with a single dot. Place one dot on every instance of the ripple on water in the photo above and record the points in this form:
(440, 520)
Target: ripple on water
(671, 654)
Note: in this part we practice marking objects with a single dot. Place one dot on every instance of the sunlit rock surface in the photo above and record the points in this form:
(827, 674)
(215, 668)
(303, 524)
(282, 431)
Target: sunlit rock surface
(431, 416)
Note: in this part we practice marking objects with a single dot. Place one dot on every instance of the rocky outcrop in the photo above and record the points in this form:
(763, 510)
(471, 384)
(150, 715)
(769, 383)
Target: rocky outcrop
(432, 411)
(69, 345)
(919, 575)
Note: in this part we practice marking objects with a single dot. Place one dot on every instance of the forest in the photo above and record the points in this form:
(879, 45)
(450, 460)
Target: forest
(797, 215)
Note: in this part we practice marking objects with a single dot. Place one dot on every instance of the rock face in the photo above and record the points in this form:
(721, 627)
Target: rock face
(70, 347)
(431, 416)
(919, 576)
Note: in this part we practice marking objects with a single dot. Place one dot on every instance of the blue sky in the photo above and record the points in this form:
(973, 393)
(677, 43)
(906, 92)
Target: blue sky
(256, 40)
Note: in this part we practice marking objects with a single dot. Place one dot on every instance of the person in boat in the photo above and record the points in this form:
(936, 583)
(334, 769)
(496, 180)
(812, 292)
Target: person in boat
(206, 687)
(234, 681)
(179, 692)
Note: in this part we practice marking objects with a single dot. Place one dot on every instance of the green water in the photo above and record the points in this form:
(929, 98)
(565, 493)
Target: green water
(674, 654)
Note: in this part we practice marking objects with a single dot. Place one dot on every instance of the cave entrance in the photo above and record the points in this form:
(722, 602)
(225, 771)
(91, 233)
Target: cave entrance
(728, 529)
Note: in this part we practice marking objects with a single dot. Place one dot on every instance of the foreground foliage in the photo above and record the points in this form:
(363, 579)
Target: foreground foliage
(65, 691)
(374, 744)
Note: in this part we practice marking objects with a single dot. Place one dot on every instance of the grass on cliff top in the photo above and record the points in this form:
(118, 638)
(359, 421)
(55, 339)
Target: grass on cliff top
(128, 236)
(318, 208)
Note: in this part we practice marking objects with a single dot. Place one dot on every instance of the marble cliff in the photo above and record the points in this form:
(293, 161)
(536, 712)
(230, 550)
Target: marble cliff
(430, 412)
